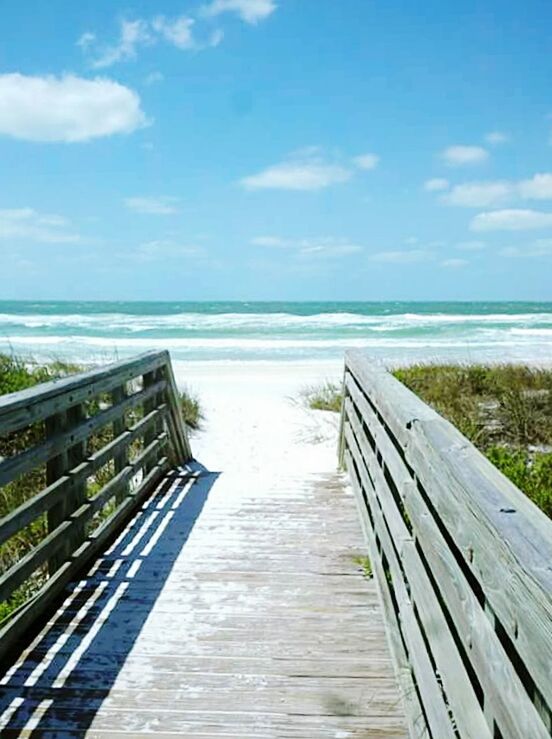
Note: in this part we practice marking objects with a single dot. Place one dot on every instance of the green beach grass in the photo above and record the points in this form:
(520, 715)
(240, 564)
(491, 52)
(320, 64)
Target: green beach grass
(505, 410)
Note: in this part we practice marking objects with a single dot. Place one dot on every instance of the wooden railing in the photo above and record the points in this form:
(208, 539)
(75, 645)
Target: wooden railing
(85, 451)
(463, 561)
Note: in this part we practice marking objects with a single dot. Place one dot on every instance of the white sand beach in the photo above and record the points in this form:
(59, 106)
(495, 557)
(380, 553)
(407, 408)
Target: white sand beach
(254, 422)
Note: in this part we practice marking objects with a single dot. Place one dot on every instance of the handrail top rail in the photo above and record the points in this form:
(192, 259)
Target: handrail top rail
(60, 386)
(522, 526)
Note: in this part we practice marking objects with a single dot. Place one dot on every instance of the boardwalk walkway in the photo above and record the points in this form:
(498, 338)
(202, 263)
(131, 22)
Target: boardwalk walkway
(227, 608)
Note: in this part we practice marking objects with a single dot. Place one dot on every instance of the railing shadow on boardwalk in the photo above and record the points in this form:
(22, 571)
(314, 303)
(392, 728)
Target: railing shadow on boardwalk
(70, 668)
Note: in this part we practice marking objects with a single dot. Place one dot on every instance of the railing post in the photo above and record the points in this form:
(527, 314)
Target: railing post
(149, 379)
(120, 460)
(57, 467)
(341, 437)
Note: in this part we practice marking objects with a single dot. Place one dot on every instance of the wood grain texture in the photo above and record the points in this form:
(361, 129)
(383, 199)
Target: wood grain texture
(227, 608)
(473, 552)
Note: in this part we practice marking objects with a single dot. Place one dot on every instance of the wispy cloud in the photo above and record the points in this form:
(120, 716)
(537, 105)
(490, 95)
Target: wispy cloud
(250, 11)
(29, 225)
(178, 31)
(401, 256)
(454, 263)
(139, 33)
(460, 155)
(309, 172)
(436, 184)
(366, 161)
(66, 108)
(132, 35)
(321, 247)
(487, 193)
(161, 206)
(539, 187)
(495, 138)
(513, 219)
(153, 78)
(538, 248)
(480, 194)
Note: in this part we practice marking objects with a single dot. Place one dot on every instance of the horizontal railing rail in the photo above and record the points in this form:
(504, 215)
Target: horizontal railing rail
(79, 454)
(463, 561)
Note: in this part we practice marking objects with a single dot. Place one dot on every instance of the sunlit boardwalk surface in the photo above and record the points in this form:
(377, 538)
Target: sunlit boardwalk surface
(228, 607)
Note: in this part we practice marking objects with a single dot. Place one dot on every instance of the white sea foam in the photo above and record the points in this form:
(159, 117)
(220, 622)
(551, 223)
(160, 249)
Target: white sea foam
(260, 321)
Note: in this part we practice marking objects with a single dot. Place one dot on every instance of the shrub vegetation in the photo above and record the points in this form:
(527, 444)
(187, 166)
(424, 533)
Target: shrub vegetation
(505, 410)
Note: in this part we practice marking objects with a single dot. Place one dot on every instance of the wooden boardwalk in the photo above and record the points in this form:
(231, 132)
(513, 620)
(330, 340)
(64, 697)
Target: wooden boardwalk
(227, 608)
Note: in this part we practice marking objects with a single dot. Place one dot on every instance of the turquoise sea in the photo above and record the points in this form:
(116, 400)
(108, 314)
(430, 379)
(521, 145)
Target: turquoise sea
(231, 331)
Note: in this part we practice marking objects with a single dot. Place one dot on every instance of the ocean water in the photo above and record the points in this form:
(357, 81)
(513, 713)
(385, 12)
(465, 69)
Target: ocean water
(233, 331)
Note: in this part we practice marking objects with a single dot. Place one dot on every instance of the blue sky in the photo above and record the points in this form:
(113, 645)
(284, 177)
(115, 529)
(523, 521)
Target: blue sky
(276, 149)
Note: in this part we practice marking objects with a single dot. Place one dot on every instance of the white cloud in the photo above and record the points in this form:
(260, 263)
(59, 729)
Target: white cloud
(471, 245)
(29, 225)
(177, 31)
(406, 256)
(464, 155)
(539, 248)
(366, 161)
(321, 247)
(135, 34)
(495, 138)
(132, 35)
(539, 187)
(454, 263)
(86, 40)
(271, 241)
(307, 173)
(250, 11)
(66, 108)
(513, 219)
(437, 184)
(161, 206)
(479, 194)
(167, 249)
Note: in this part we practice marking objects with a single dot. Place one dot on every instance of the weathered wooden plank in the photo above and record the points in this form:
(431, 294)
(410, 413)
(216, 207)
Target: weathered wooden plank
(191, 647)
(460, 693)
(74, 521)
(57, 443)
(418, 658)
(20, 621)
(27, 512)
(505, 541)
(409, 677)
(505, 696)
(26, 407)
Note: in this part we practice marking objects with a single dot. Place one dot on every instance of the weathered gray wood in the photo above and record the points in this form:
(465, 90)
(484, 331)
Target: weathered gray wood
(245, 638)
(183, 451)
(505, 542)
(58, 443)
(26, 407)
(506, 699)
(120, 459)
(68, 467)
(400, 546)
(31, 612)
(54, 493)
(414, 670)
(70, 529)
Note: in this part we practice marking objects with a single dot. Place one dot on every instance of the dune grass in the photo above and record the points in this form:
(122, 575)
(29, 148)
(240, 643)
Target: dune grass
(505, 410)
(325, 397)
